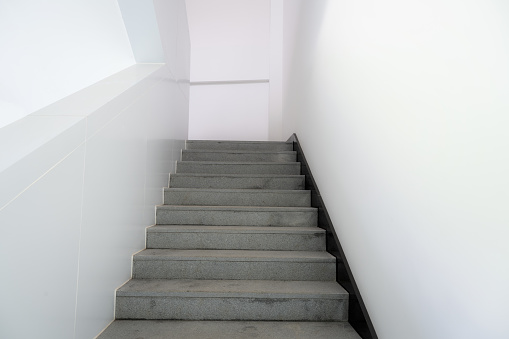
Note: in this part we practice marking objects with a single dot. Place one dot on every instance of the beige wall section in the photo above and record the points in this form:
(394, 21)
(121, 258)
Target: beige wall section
(401, 108)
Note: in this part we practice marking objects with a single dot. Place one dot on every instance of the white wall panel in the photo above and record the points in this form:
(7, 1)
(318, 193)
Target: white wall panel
(80, 179)
(401, 108)
(276, 71)
(230, 42)
(167, 13)
(39, 251)
(230, 39)
(112, 214)
(229, 112)
(53, 48)
(141, 24)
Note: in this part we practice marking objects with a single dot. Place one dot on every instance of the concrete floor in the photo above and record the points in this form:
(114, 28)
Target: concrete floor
(165, 329)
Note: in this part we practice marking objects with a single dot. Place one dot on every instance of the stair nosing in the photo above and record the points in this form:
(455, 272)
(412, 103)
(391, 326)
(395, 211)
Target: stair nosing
(286, 163)
(239, 175)
(264, 291)
(235, 208)
(235, 190)
(234, 255)
(262, 142)
(233, 151)
(234, 229)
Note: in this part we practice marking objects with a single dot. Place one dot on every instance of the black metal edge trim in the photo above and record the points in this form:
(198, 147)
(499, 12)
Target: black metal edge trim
(358, 316)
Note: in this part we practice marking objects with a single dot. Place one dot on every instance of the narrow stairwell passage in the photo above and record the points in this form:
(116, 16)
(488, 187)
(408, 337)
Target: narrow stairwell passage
(235, 253)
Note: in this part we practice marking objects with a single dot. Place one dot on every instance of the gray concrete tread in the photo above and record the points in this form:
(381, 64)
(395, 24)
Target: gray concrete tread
(233, 163)
(235, 190)
(235, 255)
(260, 142)
(174, 329)
(238, 167)
(233, 229)
(273, 289)
(233, 151)
(236, 208)
(238, 175)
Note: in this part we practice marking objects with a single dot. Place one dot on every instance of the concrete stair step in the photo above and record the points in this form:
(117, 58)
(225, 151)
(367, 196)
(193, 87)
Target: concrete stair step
(236, 197)
(176, 329)
(236, 216)
(235, 155)
(237, 181)
(234, 264)
(236, 237)
(223, 167)
(274, 146)
(232, 300)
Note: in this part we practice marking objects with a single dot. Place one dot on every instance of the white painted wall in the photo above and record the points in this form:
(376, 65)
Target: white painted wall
(275, 123)
(141, 24)
(230, 41)
(79, 181)
(238, 112)
(51, 49)
(401, 108)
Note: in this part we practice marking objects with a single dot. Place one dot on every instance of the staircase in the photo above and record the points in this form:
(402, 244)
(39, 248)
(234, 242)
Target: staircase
(235, 253)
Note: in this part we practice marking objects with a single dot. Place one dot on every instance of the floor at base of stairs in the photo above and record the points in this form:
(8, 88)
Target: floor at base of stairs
(171, 329)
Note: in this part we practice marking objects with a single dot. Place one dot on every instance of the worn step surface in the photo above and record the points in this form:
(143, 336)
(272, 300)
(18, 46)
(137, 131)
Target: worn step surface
(236, 216)
(175, 329)
(237, 181)
(223, 167)
(231, 300)
(235, 240)
(236, 197)
(239, 145)
(235, 155)
(234, 264)
(236, 237)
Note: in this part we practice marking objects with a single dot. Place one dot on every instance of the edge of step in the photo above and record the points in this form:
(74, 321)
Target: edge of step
(274, 289)
(234, 229)
(235, 208)
(234, 255)
(236, 151)
(255, 175)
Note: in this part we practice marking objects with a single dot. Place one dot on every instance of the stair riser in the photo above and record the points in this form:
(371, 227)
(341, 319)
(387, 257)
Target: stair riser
(233, 270)
(231, 308)
(217, 198)
(234, 218)
(247, 146)
(284, 183)
(290, 168)
(220, 156)
(222, 241)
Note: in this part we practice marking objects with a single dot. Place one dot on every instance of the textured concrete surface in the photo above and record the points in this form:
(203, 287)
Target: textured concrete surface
(236, 216)
(160, 329)
(233, 264)
(239, 145)
(234, 288)
(216, 167)
(236, 237)
(231, 197)
(230, 308)
(232, 300)
(234, 155)
(238, 242)
(247, 181)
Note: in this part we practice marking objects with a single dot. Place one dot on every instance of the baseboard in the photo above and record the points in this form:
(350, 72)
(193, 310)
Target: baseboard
(358, 315)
